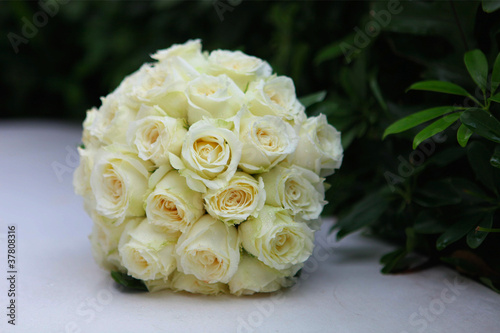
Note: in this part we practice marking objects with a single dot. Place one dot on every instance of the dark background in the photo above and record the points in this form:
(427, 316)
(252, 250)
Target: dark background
(87, 47)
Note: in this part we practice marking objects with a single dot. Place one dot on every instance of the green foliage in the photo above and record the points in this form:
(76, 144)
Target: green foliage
(442, 198)
(128, 282)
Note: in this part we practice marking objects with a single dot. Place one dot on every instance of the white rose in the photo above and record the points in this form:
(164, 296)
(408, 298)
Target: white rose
(266, 141)
(242, 197)
(296, 189)
(320, 148)
(209, 250)
(213, 97)
(253, 276)
(210, 154)
(147, 253)
(81, 176)
(104, 241)
(173, 204)
(275, 96)
(119, 182)
(189, 51)
(112, 120)
(164, 85)
(238, 66)
(158, 285)
(155, 137)
(275, 239)
(189, 283)
(88, 139)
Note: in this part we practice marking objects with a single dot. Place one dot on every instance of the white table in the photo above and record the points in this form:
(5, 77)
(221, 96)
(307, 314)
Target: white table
(61, 289)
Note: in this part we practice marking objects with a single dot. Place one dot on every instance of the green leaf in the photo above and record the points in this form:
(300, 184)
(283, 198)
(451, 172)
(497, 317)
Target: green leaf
(392, 260)
(427, 223)
(418, 118)
(477, 65)
(458, 230)
(434, 128)
(490, 6)
(474, 237)
(495, 158)
(375, 87)
(495, 98)
(489, 283)
(440, 86)
(313, 98)
(128, 281)
(495, 76)
(479, 155)
(482, 123)
(437, 193)
(335, 49)
(463, 135)
(363, 213)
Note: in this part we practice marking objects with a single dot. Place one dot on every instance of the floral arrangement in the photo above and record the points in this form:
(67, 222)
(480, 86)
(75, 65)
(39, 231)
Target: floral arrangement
(202, 173)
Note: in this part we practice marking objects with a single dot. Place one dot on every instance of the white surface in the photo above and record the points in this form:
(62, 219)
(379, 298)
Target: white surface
(60, 289)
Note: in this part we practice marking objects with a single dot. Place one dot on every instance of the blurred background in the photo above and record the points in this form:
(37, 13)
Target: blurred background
(58, 57)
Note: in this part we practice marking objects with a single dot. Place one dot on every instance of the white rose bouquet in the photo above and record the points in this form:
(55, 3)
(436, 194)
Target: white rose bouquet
(202, 173)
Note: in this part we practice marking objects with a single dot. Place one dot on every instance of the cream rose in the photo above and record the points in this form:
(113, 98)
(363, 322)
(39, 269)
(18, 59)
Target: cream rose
(158, 284)
(81, 177)
(275, 239)
(104, 241)
(189, 283)
(296, 189)
(275, 96)
(155, 137)
(210, 154)
(189, 52)
(320, 148)
(164, 85)
(111, 120)
(213, 97)
(253, 276)
(241, 68)
(172, 204)
(266, 141)
(147, 253)
(209, 250)
(242, 197)
(119, 181)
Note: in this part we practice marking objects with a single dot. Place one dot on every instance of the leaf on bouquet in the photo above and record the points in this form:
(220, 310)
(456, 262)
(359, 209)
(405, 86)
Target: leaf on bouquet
(477, 66)
(128, 281)
(440, 86)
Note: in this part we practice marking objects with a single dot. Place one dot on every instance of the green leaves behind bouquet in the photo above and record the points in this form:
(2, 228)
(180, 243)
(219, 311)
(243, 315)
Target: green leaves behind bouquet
(474, 114)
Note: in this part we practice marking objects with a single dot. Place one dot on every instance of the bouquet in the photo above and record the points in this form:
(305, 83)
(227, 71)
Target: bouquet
(202, 173)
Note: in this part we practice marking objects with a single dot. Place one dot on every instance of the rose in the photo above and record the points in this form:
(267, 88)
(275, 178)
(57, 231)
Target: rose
(242, 197)
(189, 283)
(190, 52)
(158, 284)
(254, 276)
(238, 66)
(320, 148)
(209, 250)
(88, 139)
(266, 141)
(107, 124)
(275, 96)
(155, 137)
(210, 154)
(172, 204)
(119, 181)
(104, 240)
(164, 85)
(275, 239)
(145, 252)
(296, 189)
(212, 97)
(81, 176)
